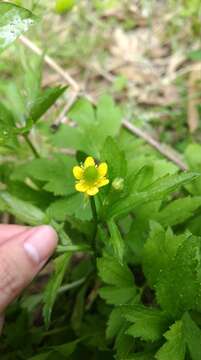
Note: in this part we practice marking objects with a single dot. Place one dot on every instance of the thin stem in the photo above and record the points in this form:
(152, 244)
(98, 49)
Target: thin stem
(95, 217)
(31, 146)
(72, 285)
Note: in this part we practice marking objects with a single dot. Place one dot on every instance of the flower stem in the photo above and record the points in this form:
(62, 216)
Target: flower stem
(31, 146)
(95, 217)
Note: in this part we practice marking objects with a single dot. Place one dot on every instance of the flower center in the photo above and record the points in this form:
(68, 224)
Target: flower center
(91, 174)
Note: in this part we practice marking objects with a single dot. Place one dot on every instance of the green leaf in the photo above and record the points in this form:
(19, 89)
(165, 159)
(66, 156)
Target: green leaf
(178, 287)
(55, 172)
(6, 115)
(175, 347)
(124, 344)
(115, 323)
(115, 159)
(118, 296)
(156, 191)
(69, 137)
(122, 288)
(141, 356)
(71, 205)
(178, 211)
(114, 273)
(82, 112)
(90, 133)
(23, 210)
(116, 241)
(50, 294)
(8, 136)
(44, 101)
(192, 334)
(149, 323)
(109, 117)
(42, 356)
(65, 349)
(160, 242)
(193, 156)
(14, 21)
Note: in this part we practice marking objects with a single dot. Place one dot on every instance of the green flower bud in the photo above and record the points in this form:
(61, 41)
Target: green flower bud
(118, 184)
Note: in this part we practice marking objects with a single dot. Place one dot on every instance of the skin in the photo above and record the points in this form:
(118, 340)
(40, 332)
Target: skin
(23, 253)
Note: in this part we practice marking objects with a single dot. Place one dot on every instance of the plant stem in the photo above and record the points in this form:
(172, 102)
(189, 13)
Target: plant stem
(72, 285)
(95, 217)
(31, 146)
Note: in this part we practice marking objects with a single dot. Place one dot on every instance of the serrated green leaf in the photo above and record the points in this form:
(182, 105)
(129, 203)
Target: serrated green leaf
(23, 210)
(55, 172)
(44, 101)
(149, 323)
(178, 286)
(156, 191)
(50, 294)
(160, 242)
(14, 21)
(118, 275)
(90, 132)
(118, 296)
(114, 273)
(192, 334)
(174, 348)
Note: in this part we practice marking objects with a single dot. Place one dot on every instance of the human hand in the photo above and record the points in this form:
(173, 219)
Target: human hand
(23, 252)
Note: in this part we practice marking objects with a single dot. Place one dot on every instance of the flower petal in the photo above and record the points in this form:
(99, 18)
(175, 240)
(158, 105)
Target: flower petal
(81, 186)
(78, 172)
(92, 191)
(102, 169)
(103, 182)
(89, 162)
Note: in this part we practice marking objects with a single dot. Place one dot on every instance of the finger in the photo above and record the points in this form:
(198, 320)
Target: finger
(8, 231)
(20, 260)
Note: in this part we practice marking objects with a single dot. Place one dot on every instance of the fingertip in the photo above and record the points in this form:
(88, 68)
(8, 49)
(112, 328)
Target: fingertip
(41, 244)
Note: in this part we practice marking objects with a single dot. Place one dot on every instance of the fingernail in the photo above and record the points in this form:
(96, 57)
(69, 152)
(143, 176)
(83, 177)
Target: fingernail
(41, 243)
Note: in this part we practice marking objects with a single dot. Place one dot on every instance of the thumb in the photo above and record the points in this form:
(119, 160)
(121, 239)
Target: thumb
(21, 258)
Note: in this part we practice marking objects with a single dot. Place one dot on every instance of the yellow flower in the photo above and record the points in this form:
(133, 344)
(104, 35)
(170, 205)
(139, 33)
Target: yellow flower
(90, 176)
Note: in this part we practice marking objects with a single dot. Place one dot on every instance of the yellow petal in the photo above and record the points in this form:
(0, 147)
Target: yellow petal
(89, 162)
(92, 191)
(81, 186)
(102, 169)
(78, 172)
(103, 182)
